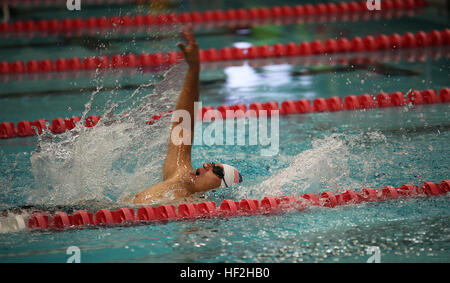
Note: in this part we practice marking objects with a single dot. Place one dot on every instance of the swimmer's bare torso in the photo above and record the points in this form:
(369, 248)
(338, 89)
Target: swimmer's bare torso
(179, 180)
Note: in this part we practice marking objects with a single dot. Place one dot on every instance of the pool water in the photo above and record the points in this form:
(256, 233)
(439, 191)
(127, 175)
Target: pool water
(317, 152)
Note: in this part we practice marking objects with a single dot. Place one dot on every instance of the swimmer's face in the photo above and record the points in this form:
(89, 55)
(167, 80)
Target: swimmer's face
(205, 179)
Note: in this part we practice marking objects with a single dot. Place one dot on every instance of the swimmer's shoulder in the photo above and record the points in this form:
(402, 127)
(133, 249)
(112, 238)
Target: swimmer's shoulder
(174, 187)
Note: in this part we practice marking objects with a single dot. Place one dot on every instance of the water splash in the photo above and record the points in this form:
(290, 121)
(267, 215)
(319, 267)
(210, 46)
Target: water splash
(118, 157)
(328, 165)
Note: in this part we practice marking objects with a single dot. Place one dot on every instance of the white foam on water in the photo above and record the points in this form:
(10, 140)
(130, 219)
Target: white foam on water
(118, 157)
(12, 222)
(326, 166)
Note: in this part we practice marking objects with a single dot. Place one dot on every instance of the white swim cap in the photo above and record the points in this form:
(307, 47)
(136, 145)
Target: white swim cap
(231, 176)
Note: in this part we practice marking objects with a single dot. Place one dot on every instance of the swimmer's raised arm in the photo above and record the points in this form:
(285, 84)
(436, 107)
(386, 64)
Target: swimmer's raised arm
(190, 91)
(179, 156)
(180, 180)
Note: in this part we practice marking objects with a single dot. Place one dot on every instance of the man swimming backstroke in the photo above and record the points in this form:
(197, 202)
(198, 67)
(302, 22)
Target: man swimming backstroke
(180, 180)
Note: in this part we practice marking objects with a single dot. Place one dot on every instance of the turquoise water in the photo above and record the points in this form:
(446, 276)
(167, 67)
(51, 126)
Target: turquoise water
(317, 152)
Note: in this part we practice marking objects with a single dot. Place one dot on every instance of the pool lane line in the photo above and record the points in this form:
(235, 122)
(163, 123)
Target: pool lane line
(349, 62)
(66, 34)
(145, 215)
(288, 107)
(94, 43)
(357, 44)
(75, 91)
(420, 54)
(331, 104)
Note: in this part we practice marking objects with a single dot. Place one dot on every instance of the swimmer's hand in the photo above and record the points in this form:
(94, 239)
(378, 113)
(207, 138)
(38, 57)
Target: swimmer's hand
(190, 51)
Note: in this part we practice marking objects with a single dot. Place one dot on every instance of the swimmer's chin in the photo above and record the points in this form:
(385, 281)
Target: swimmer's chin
(193, 175)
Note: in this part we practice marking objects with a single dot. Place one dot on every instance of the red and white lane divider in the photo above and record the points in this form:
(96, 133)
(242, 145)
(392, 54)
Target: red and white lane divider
(77, 24)
(381, 56)
(332, 104)
(228, 208)
(58, 125)
(208, 113)
(29, 128)
(208, 25)
(316, 47)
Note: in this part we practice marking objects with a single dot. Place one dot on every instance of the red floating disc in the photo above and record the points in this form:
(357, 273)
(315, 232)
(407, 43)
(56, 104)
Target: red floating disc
(166, 212)
(408, 190)
(383, 100)
(445, 186)
(334, 103)
(146, 213)
(269, 204)
(24, 129)
(38, 221)
(187, 210)
(312, 198)
(58, 125)
(124, 215)
(351, 102)
(228, 207)
(61, 220)
(369, 194)
(207, 208)
(288, 107)
(389, 192)
(430, 189)
(104, 216)
(366, 101)
(82, 217)
(320, 105)
(328, 199)
(7, 130)
(249, 205)
(303, 106)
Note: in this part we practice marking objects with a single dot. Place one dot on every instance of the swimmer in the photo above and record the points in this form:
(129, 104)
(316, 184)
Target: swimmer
(180, 180)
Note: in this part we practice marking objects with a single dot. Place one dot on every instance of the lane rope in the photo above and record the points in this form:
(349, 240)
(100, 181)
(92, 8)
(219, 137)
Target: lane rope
(228, 208)
(409, 55)
(210, 16)
(302, 106)
(26, 30)
(330, 46)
